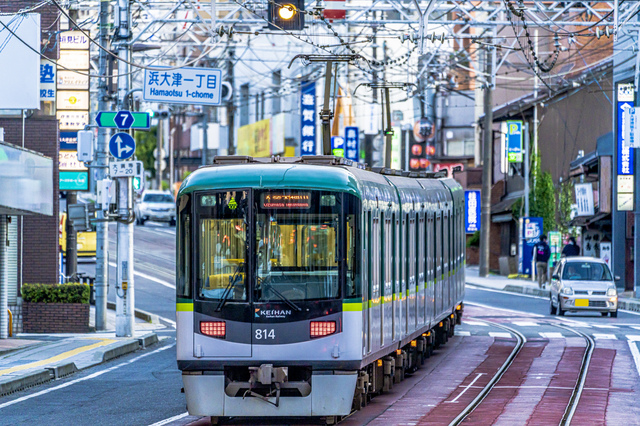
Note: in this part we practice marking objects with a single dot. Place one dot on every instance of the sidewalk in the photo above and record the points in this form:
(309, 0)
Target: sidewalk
(523, 286)
(31, 359)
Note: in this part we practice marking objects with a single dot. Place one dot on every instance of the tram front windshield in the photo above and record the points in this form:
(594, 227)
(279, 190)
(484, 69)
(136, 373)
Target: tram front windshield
(297, 245)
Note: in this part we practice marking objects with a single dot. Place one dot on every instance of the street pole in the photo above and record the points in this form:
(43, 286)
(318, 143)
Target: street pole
(487, 162)
(388, 132)
(102, 165)
(230, 105)
(125, 298)
(526, 169)
(4, 279)
(159, 144)
(205, 137)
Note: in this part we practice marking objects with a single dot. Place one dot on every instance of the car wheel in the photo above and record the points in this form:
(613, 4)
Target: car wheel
(614, 314)
(142, 221)
(604, 314)
(172, 222)
(552, 309)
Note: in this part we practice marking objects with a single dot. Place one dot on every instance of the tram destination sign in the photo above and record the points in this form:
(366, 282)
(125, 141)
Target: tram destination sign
(279, 200)
(183, 85)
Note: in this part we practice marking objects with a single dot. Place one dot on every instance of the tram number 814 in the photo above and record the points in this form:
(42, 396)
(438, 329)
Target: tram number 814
(263, 333)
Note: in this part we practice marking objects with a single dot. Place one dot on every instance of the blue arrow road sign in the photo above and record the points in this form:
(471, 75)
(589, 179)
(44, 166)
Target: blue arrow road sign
(124, 119)
(122, 146)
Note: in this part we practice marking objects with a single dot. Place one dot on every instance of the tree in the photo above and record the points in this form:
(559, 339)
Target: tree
(146, 142)
(542, 197)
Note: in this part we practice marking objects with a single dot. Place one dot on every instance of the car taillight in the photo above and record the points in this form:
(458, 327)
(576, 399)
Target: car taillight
(322, 328)
(213, 328)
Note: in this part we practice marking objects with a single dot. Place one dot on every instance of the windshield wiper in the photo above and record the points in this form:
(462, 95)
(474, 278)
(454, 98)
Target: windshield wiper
(227, 289)
(283, 297)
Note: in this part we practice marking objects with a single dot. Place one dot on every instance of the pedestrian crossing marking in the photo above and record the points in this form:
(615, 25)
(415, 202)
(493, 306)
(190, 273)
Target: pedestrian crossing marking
(551, 335)
(462, 333)
(525, 323)
(633, 338)
(499, 334)
(467, 322)
(604, 326)
(598, 336)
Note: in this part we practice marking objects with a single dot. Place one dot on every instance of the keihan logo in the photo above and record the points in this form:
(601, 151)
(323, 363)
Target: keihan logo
(272, 313)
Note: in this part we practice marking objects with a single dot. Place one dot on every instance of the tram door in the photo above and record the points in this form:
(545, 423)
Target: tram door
(366, 282)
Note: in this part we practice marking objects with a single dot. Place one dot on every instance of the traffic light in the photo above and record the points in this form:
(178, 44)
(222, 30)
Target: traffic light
(286, 15)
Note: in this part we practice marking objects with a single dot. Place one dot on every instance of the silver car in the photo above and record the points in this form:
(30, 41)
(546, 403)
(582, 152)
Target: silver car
(157, 206)
(583, 284)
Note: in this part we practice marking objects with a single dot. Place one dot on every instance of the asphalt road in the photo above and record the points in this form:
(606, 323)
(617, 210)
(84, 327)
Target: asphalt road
(144, 387)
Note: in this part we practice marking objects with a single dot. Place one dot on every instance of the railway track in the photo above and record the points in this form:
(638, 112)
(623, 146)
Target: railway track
(521, 340)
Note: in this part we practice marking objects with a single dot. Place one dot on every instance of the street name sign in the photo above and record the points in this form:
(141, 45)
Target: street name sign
(183, 85)
(123, 119)
(122, 146)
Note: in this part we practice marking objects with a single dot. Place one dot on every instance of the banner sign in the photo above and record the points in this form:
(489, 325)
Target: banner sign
(584, 199)
(472, 211)
(308, 119)
(514, 141)
(352, 140)
(625, 153)
(531, 232)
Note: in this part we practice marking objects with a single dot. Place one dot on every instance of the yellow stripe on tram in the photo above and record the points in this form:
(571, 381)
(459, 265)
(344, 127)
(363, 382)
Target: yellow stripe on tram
(352, 307)
(184, 307)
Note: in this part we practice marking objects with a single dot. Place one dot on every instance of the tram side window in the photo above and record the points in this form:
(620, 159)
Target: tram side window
(354, 286)
(222, 245)
(183, 284)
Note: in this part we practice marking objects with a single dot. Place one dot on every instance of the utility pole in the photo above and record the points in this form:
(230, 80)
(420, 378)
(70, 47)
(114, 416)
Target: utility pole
(72, 196)
(102, 165)
(125, 298)
(487, 161)
(231, 109)
(205, 137)
(527, 158)
(368, 139)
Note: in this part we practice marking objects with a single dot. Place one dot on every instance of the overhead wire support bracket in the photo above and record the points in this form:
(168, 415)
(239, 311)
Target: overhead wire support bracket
(326, 114)
(385, 86)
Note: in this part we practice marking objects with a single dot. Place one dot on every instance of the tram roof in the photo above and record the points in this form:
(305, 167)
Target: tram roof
(272, 175)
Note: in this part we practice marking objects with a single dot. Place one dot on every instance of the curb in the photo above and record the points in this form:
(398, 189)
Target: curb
(23, 381)
(623, 303)
(16, 383)
(138, 313)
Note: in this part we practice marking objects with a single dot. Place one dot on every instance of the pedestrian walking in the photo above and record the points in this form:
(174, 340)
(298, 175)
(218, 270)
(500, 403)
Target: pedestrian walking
(542, 252)
(571, 249)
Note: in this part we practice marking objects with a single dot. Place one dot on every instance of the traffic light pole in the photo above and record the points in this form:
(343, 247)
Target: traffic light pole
(125, 296)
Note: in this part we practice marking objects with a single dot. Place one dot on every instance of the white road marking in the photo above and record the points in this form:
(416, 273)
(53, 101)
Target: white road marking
(504, 309)
(469, 322)
(598, 336)
(635, 327)
(148, 277)
(551, 335)
(505, 292)
(633, 338)
(604, 326)
(571, 323)
(525, 323)
(636, 354)
(462, 333)
(170, 419)
(500, 334)
(466, 388)
(83, 379)
(172, 323)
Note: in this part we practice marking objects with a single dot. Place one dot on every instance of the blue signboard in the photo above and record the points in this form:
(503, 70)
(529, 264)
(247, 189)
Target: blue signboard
(531, 232)
(74, 180)
(183, 85)
(625, 153)
(308, 119)
(472, 211)
(337, 146)
(514, 141)
(352, 141)
(122, 146)
(68, 141)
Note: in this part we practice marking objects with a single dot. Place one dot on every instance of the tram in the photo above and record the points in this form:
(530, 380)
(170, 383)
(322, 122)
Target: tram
(307, 285)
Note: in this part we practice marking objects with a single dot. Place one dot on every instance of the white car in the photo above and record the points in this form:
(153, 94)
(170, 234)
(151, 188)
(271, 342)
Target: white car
(583, 284)
(157, 206)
